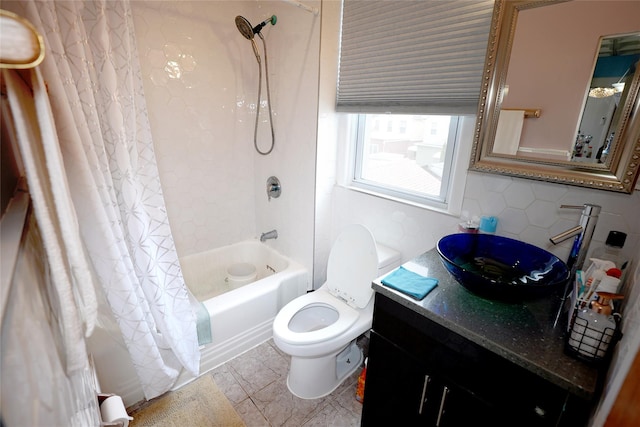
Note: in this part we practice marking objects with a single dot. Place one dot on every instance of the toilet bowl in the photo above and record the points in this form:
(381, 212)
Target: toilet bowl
(319, 330)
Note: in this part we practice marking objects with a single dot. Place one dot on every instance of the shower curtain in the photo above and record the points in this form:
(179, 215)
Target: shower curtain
(94, 81)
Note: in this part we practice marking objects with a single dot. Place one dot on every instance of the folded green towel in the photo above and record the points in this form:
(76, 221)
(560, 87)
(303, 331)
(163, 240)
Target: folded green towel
(410, 283)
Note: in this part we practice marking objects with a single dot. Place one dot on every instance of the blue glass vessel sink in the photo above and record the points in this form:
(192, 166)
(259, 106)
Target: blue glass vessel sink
(501, 268)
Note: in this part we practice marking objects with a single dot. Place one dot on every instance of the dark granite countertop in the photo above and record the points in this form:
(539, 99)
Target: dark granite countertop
(521, 333)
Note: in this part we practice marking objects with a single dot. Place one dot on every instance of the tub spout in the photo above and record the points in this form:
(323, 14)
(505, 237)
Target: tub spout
(273, 234)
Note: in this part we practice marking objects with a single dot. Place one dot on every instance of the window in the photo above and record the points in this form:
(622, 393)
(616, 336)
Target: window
(408, 86)
(413, 163)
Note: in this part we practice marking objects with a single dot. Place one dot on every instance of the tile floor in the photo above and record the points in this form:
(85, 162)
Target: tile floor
(255, 384)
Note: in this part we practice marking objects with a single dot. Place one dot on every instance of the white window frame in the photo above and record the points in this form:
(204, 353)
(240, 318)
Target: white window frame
(452, 191)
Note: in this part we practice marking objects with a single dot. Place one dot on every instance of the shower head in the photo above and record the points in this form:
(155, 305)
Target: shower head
(245, 28)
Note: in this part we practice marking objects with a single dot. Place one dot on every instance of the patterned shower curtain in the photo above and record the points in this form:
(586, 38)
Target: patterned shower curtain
(94, 80)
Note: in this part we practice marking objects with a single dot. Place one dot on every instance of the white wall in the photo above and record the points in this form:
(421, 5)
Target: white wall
(202, 120)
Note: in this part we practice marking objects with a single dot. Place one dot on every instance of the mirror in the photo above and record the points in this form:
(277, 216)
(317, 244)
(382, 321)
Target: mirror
(535, 102)
(614, 69)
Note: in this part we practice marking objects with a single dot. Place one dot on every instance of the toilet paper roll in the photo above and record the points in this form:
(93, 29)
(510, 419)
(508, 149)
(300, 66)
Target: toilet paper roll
(113, 411)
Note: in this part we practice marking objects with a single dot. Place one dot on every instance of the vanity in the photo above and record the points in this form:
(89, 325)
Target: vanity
(455, 359)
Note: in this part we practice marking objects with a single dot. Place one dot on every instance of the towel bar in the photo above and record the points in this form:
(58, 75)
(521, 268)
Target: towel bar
(528, 112)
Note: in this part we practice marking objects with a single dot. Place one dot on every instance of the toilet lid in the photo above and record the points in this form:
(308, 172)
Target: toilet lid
(352, 266)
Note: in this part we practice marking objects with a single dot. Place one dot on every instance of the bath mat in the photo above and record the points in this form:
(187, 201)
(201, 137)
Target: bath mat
(199, 403)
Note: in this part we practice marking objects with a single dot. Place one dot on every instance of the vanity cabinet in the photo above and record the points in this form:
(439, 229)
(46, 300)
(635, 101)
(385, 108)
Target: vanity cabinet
(412, 393)
(421, 373)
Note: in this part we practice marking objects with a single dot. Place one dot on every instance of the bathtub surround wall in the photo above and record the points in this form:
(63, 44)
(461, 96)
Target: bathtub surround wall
(201, 82)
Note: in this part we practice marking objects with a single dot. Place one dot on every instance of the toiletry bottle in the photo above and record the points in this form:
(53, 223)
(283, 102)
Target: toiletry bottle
(611, 281)
(603, 304)
(488, 224)
(577, 150)
(612, 251)
(468, 224)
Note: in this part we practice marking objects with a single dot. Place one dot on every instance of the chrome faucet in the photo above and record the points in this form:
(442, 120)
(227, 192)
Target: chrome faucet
(273, 234)
(583, 233)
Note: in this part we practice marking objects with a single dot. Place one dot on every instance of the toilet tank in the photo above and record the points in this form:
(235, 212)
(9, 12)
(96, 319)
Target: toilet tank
(388, 259)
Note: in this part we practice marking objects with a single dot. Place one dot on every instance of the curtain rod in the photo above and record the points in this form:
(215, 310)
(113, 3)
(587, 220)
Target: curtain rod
(301, 5)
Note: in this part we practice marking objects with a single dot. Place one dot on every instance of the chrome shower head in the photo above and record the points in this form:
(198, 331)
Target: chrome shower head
(244, 27)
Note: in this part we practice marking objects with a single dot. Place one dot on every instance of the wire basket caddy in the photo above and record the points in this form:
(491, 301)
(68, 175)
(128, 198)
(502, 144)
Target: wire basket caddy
(588, 343)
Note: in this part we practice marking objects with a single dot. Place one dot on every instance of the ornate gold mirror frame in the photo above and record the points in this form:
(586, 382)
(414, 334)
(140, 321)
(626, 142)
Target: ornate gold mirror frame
(619, 175)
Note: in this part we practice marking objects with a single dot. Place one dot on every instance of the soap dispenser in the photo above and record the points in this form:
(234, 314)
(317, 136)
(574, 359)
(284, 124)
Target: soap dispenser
(594, 327)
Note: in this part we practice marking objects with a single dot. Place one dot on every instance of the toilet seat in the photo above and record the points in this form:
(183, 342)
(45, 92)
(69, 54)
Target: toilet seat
(347, 316)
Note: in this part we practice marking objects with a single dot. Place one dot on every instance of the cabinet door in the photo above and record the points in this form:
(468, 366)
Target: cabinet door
(396, 387)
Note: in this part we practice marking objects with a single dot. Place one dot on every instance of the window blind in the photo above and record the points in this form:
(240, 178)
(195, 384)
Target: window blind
(412, 56)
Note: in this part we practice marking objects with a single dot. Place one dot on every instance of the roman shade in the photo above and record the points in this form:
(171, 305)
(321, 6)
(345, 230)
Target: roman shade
(412, 56)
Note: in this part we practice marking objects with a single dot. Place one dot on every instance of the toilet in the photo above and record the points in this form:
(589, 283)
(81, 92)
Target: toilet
(319, 330)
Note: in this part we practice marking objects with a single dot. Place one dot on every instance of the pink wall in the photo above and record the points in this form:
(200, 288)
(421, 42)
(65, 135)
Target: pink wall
(552, 61)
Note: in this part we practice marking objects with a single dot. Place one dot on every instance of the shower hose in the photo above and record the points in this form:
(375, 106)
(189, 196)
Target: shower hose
(255, 131)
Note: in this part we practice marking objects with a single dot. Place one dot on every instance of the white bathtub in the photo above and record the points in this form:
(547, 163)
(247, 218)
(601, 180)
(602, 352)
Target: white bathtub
(241, 317)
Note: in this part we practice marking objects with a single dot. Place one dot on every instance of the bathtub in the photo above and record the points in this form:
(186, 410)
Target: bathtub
(241, 314)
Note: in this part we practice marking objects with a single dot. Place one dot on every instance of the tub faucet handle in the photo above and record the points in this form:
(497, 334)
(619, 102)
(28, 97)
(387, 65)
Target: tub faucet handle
(273, 188)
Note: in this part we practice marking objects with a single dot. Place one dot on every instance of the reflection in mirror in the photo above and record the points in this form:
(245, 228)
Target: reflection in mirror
(614, 69)
(536, 86)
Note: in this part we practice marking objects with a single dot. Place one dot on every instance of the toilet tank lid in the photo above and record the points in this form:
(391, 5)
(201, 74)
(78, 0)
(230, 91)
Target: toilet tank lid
(387, 256)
